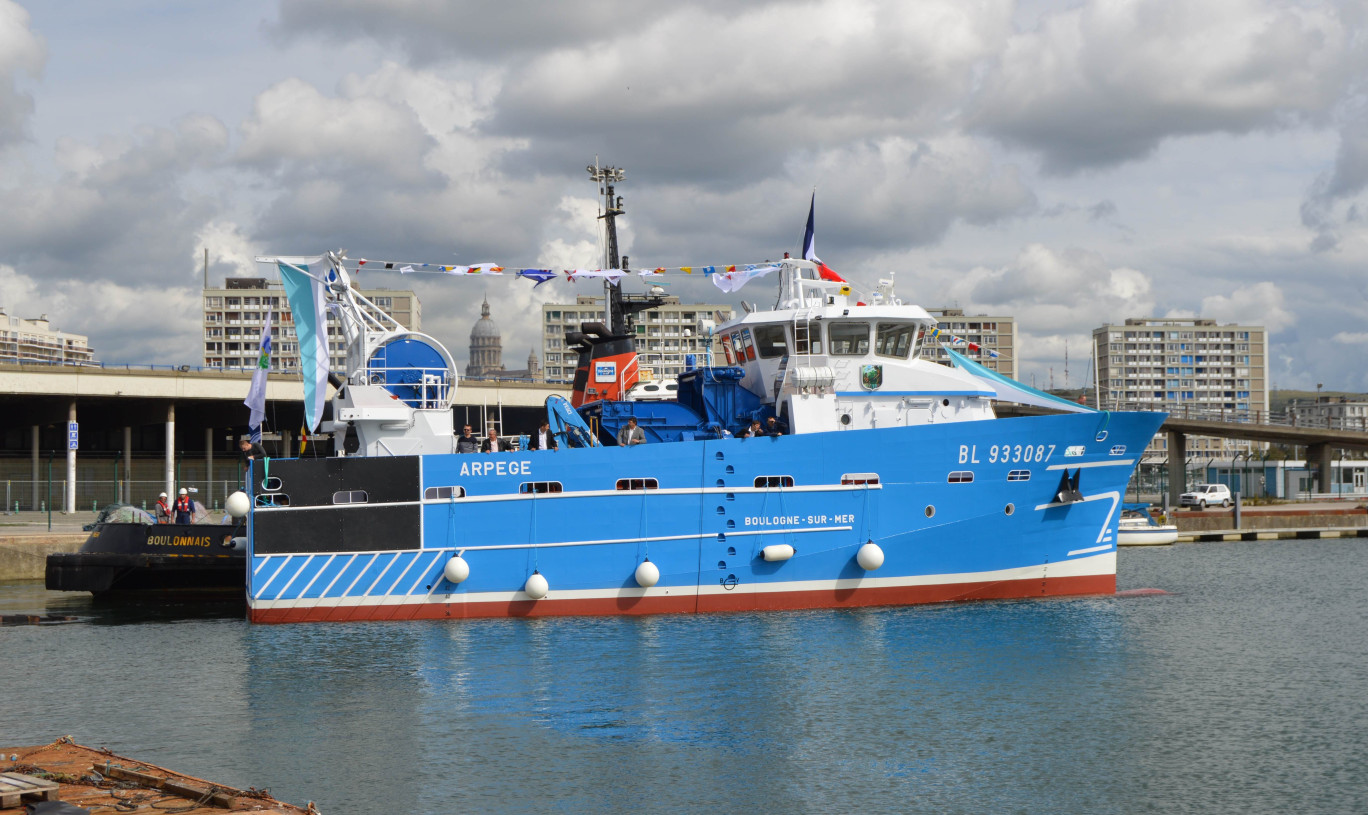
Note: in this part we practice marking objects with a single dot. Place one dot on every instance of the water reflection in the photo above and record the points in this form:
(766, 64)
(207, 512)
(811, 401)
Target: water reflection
(1243, 689)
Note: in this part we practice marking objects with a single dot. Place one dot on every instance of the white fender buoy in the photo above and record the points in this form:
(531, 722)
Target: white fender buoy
(456, 569)
(237, 504)
(870, 556)
(536, 586)
(647, 575)
(777, 551)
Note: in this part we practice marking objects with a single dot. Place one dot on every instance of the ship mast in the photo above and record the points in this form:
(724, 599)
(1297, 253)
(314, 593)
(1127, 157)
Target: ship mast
(616, 310)
(612, 207)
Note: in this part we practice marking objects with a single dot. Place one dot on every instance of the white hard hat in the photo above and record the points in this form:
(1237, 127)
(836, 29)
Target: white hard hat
(184, 491)
(162, 495)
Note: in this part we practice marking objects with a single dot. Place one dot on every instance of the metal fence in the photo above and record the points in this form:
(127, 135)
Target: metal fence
(105, 478)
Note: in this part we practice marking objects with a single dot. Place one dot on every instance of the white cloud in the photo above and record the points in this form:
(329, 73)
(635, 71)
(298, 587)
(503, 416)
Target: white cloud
(21, 52)
(1105, 82)
(1259, 304)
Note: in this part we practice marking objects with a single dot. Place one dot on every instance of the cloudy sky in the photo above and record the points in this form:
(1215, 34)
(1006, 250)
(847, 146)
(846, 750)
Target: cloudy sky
(1068, 163)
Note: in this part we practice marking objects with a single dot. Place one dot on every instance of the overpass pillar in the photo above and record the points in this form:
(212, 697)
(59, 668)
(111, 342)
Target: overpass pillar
(1318, 456)
(128, 464)
(209, 466)
(37, 431)
(171, 451)
(1177, 466)
(69, 501)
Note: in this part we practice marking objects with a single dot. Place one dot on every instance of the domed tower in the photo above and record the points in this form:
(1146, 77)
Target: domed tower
(486, 346)
(533, 365)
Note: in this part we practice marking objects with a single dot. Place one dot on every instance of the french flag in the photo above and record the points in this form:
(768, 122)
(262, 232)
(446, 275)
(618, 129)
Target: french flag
(810, 246)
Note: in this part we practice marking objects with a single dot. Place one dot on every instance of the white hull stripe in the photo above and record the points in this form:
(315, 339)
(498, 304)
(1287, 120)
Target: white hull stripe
(652, 539)
(1084, 465)
(1099, 564)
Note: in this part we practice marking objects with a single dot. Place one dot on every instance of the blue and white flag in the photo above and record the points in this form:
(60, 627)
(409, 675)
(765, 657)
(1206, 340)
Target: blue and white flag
(306, 288)
(256, 394)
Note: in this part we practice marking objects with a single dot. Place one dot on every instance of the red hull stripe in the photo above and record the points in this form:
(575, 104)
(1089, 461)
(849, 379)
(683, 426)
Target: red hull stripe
(757, 601)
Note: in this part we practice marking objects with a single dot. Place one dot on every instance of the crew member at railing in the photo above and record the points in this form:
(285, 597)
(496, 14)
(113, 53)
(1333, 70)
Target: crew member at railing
(543, 439)
(466, 442)
(494, 444)
(631, 434)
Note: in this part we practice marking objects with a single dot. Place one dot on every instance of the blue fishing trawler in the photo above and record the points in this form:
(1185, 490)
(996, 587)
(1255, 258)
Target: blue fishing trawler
(889, 479)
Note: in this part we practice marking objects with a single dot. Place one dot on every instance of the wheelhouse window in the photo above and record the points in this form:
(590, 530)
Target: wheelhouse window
(769, 481)
(848, 339)
(537, 487)
(443, 493)
(961, 477)
(350, 497)
(638, 484)
(894, 339)
(770, 341)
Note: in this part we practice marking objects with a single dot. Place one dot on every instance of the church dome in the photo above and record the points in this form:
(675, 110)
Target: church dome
(485, 327)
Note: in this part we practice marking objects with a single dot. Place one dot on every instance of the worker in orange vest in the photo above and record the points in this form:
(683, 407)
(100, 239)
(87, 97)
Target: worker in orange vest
(162, 510)
(185, 510)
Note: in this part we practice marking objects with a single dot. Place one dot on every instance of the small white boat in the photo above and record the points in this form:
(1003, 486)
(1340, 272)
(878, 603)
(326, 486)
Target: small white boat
(1138, 528)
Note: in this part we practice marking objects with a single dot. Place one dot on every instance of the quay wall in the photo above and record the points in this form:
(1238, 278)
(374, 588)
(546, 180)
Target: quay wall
(1213, 520)
(24, 557)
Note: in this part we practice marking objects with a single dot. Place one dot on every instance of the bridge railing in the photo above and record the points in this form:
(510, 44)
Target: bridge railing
(1265, 417)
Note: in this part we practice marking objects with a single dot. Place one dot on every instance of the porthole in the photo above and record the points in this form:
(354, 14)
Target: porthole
(1008, 510)
(730, 470)
(721, 564)
(731, 524)
(930, 511)
(721, 511)
(720, 456)
(845, 419)
(731, 551)
(271, 484)
(945, 403)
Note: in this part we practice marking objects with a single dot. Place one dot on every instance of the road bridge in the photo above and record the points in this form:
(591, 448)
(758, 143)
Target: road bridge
(1320, 439)
(123, 410)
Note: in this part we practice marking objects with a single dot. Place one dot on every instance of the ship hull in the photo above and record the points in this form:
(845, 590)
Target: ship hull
(959, 511)
(129, 560)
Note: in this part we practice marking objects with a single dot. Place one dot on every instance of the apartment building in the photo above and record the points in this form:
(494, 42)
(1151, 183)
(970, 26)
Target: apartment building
(989, 333)
(234, 315)
(1192, 366)
(664, 335)
(36, 341)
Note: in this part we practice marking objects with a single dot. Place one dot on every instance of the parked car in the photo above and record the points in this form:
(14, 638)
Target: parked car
(1203, 495)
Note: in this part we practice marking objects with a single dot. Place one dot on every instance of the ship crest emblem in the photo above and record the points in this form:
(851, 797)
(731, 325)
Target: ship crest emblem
(871, 377)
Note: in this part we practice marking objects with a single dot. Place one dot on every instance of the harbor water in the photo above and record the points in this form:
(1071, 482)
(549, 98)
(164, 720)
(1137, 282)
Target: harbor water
(1244, 689)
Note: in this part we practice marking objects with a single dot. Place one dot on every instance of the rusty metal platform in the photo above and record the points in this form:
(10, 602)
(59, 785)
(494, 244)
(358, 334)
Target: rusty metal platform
(102, 780)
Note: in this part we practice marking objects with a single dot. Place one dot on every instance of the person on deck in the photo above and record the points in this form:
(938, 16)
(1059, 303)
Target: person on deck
(752, 431)
(494, 444)
(631, 434)
(773, 427)
(162, 510)
(466, 442)
(543, 439)
(251, 451)
(185, 509)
